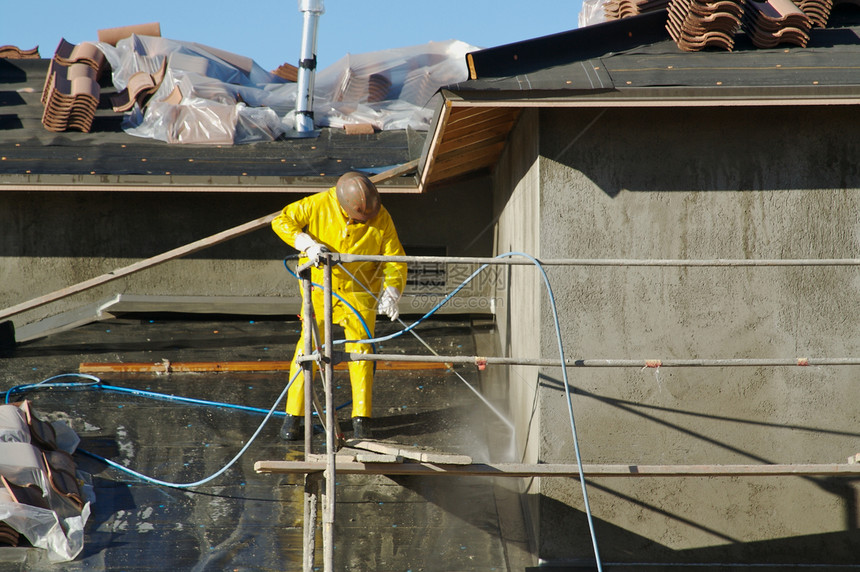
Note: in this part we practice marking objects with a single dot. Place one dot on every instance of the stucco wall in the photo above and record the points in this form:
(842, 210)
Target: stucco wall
(517, 208)
(702, 184)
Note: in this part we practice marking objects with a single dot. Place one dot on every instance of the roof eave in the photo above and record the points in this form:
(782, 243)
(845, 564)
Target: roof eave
(633, 97)
(684, 96)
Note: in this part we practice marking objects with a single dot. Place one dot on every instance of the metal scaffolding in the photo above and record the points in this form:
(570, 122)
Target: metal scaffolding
(317, 471)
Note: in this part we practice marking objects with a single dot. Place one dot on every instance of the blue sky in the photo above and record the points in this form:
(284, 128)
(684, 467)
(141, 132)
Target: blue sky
(269, 31)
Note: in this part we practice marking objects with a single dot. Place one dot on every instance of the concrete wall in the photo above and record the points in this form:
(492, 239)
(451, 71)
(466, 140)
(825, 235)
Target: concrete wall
(516, 205)
(517, 208)
(52, 240)
(700, 184)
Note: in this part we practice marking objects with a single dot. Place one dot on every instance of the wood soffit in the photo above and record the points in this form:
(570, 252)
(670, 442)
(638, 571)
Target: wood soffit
(467, 140)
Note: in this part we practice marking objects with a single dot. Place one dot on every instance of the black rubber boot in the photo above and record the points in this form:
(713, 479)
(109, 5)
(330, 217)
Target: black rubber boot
(290, 428)
(361, 428)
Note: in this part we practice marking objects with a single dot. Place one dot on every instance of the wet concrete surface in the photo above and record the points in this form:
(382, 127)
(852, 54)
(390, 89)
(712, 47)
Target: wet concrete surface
(242, 520)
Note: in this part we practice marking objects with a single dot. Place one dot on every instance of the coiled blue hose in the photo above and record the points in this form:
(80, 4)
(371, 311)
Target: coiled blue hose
(96, 384)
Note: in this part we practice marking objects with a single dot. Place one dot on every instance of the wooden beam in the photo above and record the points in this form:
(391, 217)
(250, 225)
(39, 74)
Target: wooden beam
(185, 367)
(477, 155)
(407, 452)
(488, 123)
(561, 470)
(434, 138)
(457, 165)
(461, 116)
(500, 131)
(185, 250)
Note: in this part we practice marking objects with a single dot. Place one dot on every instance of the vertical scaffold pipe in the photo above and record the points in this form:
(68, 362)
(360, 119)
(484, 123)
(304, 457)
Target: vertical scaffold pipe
(311, 11)
(330, 420)
(312, 483)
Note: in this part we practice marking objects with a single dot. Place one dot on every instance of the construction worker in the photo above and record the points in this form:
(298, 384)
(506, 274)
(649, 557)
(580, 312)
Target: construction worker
(347, 218)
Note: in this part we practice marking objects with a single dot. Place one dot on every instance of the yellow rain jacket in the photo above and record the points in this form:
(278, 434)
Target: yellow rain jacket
(321, 216)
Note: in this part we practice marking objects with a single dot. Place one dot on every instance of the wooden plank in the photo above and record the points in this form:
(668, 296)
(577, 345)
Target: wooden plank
(479, 141)
(426, 166)
(454, 165)
(468, 112)
(185, 250)
(457, 172)
(203, 366)
(407, 452)
(353, 456)
(563, 470)
(470, 115)
(483, 125)
(475, 155)
(496, 132)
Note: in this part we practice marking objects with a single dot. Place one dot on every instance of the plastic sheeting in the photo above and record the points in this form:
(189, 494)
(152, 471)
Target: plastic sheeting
(227, 98)
(592, 12)
(389, 89)
(53, 526)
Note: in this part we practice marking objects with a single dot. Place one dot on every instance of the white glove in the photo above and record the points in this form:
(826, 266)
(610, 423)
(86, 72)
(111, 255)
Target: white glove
(388, 302)
(310, 247)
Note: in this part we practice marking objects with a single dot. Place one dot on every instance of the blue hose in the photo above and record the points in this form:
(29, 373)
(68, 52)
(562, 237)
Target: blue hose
(47, 383)
(96, 382)
(568, 398)
(215, 474)
(567, 391)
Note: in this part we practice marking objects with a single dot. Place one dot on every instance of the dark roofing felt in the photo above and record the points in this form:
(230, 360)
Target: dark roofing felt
(107, 155)
(629, 59)
(638, 53)
(242, 520)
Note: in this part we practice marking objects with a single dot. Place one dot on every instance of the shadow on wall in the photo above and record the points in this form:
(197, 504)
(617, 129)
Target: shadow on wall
(135, 225)
(840, 486)
(141, 225)
(706, 149)
(620, 546)
(829, 548)
(11, 73)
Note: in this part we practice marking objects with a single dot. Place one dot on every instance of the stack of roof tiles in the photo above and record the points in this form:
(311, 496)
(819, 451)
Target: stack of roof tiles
(141, 86)
(34, 471)
(71, 91)
(774, 22)
(16, 53)
(618, 9)
(817, 10)
(287, 72)
(363, 88)
(697, 24)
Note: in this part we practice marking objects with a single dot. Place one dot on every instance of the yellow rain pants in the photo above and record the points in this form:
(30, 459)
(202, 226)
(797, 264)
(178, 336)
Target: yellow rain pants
(321, 216)
(360, 372)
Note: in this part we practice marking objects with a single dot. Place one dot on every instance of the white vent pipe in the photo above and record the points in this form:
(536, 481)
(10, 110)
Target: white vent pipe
(311, 11)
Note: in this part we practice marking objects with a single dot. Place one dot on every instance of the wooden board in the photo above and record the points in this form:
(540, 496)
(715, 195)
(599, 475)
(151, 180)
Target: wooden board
(192, 366)
(563, 470)
(355, 456)
(190, 248)
(419, 454)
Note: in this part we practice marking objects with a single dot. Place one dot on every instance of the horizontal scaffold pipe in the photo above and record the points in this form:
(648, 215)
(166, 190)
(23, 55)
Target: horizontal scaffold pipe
(638, 363)
(560, 470)
(669, 262)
